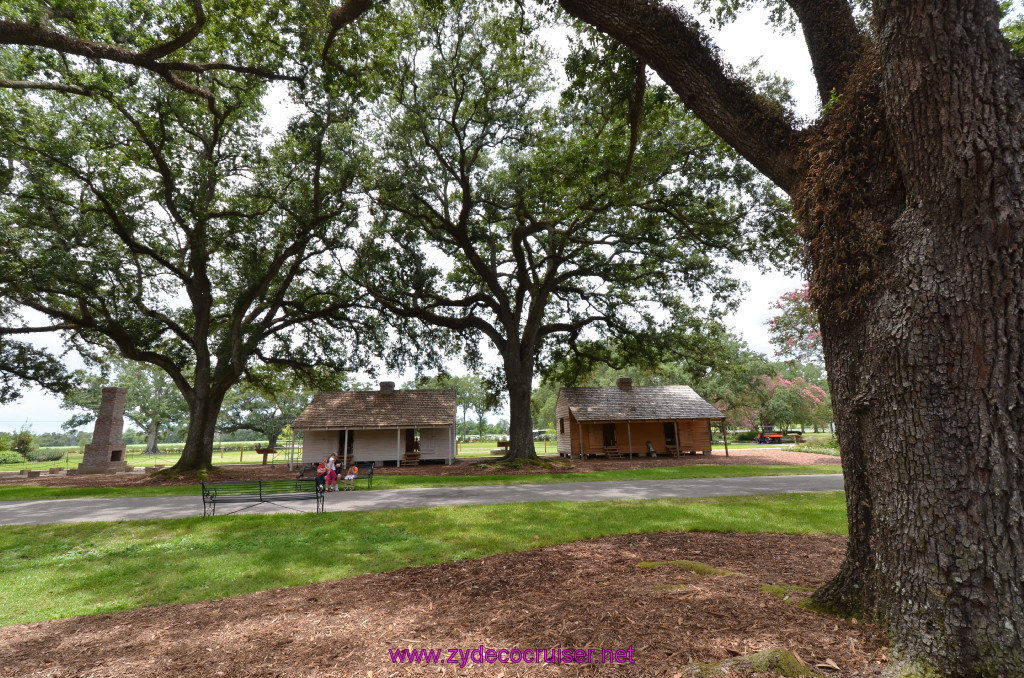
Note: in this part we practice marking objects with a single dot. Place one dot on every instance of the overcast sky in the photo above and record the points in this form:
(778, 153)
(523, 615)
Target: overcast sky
(741, 42)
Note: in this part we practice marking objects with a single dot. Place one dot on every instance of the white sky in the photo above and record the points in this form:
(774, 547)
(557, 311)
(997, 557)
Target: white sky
(747, 39)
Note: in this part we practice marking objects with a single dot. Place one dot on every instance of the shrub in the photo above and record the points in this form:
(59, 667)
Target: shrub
(745, 436)
(25, 443)
(48, 454)
(10, 457)
(5, 442)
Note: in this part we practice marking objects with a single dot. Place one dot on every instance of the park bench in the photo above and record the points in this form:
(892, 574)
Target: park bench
(253, 492)
(365, 472)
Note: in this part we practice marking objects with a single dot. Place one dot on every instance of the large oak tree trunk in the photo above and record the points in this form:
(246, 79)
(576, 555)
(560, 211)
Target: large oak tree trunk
(910, 191)
(202, 427)
(519, 374)
(914, 215)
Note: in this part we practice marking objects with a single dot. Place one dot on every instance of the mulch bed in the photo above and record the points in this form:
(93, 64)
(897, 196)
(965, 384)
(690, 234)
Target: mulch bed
(590, 594)
(461, 467)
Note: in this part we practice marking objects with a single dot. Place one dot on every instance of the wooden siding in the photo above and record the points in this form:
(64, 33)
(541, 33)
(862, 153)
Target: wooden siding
(693, 436)
(700, 440)
(318, 445)
(378, 445)
(564, 426)
(435, 443)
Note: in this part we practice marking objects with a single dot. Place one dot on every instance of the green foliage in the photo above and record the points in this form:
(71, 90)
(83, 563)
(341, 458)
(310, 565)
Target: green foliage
(49, 454)
(269, 400)
(24, 443)
(473, 393)
(5, 442)
(1013, 27)
(501, 215)
(10, 457)
(151, 399)
(173, 229)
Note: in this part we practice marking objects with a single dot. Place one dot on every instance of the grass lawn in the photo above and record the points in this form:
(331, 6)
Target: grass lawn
(385, 482)
(53, 571)
(240, 453)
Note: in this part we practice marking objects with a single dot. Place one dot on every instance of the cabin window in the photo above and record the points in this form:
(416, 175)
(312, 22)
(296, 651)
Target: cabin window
(561, 425)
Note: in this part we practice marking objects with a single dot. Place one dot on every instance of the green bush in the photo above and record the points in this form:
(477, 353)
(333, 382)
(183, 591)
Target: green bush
(5, 442)
(745, 436)
(25, 443)
(10, 457)
(48, 454)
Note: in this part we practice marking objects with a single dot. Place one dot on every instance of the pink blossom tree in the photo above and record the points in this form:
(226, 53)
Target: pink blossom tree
(794, 331)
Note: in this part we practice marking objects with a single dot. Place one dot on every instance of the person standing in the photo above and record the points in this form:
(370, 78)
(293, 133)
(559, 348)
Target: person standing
(332, 474)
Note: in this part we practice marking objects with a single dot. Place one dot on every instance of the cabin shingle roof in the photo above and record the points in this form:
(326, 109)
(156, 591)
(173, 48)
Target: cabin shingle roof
(376, 409)
(612, 403)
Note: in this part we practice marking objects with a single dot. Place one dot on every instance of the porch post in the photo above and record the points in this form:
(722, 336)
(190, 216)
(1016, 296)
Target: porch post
(725, 438)
(291, 455)
(629, 438)
(679, 443)
(580, 425)
(709, 437)
(398, 447)
(344, 447)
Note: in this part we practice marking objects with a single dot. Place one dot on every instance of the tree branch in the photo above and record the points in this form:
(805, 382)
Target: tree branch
(54, 86)
(35, 35)
(674, 45)
(343, 16)
(833, 41)
(190, 34)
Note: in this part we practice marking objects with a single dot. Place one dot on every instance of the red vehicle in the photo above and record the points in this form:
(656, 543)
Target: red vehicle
(768, 435)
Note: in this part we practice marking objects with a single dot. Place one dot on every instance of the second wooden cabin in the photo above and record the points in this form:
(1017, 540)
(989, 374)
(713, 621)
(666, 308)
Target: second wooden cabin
(626, 420)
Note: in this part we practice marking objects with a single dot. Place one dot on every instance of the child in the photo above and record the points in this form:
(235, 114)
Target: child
(321, 475)
(350, 477)
(332, 474)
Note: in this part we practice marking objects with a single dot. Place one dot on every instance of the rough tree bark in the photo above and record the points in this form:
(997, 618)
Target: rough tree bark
(519, 374)
(203, 408)
(910, 193)
(152, 431)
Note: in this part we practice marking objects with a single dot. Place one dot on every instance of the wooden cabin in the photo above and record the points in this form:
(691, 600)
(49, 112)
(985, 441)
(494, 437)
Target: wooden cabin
(388, 425)
(625, 420)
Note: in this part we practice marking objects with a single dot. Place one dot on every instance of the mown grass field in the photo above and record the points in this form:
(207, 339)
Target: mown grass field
(386, 482)
(53, 571)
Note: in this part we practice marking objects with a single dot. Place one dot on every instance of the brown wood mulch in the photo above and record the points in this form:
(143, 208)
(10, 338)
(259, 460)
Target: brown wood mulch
(461, 467)
(590, 594)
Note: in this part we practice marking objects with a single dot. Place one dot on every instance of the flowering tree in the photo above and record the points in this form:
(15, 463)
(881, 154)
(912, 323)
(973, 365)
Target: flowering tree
(794, 331)
(788, 401)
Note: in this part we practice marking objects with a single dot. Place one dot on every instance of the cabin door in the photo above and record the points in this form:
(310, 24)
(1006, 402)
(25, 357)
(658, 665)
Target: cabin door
(609, 435)
(670, 433)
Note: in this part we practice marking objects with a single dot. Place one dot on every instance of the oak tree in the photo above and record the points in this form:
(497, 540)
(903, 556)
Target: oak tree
(539, 226)
(909, 187)
(146, 221)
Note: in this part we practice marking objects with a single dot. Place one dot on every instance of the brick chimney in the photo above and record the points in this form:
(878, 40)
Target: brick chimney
(624, 383)
(387, 387)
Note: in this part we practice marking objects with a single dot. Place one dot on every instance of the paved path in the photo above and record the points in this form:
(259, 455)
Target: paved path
(142, 508)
